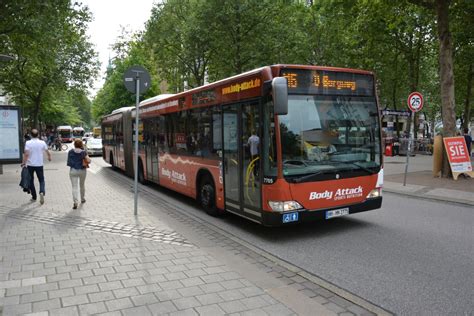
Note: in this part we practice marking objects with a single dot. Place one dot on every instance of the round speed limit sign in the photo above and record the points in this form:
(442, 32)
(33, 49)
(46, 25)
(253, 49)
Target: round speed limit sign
(415, 101)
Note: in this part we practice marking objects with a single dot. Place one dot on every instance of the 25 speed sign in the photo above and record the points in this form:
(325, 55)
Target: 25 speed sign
(415, 101)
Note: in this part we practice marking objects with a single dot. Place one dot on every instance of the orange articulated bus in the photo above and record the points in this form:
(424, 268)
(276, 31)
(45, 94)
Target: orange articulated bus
(277, 145)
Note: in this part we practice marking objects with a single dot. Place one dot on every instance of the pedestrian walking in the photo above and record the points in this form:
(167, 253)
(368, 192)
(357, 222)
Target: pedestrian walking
(468, 139)
(33, 159)
(77, 158)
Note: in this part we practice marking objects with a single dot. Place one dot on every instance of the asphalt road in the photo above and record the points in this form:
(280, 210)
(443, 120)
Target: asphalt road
(413, 256)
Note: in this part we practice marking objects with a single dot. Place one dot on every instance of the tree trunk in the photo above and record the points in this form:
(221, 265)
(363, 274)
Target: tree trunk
(36, 113)
(446, 76)
(467, 103)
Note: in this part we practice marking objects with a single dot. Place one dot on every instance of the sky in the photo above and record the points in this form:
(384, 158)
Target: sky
(108, 17)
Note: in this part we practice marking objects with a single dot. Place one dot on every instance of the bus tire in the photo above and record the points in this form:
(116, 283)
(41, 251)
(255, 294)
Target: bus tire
(207, 196)
(111, 160)
(141, 175)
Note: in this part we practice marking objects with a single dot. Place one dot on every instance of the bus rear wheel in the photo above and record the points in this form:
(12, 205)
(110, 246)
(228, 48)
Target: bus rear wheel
(207, 196)
(111, 160)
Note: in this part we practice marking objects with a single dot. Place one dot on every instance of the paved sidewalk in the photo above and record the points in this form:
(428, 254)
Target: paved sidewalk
(421, 183)
(100, 259)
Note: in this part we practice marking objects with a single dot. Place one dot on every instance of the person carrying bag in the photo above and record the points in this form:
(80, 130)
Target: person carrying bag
(25, 180)
(79, 161)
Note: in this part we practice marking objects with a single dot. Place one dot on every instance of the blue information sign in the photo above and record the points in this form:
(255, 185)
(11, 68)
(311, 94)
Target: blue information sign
(290, 217)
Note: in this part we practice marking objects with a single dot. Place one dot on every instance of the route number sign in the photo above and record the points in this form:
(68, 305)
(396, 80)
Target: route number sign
(415, 102)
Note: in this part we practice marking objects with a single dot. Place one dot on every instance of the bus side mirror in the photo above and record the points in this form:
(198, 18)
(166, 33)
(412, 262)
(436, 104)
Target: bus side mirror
(280, 95)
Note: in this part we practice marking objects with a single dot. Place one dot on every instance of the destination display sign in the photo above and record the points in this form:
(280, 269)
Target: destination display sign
(301, 81)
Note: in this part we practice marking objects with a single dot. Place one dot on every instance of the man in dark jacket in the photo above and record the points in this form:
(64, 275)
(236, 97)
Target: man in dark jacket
(25, 180)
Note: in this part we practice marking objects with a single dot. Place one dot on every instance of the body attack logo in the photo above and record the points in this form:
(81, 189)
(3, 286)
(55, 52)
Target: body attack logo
(340, 194)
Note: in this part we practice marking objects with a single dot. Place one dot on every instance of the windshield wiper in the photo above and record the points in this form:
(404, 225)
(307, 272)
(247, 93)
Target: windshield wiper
(354, 163)
(311, 175)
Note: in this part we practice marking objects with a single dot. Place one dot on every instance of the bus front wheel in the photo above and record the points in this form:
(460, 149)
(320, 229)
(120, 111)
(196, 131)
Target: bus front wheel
(207, 196)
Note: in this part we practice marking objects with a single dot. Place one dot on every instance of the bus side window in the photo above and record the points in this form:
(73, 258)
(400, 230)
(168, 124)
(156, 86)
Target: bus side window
(170, 132)
(216, 131)
(192, 121)
(162, 134)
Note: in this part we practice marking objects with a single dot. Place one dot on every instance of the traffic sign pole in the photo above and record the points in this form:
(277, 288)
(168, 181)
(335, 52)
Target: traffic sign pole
(415, 104)
(137, 101)
(410, 139)
(136, 80)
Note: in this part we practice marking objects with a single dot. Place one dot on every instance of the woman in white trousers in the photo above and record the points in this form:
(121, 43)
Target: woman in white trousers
(78, 172)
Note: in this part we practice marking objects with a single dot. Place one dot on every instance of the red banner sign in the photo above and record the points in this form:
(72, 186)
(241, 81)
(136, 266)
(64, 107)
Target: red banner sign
(457, 154)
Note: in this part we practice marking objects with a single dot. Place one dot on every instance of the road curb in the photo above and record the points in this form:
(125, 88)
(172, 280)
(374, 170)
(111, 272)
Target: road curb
(430, 197)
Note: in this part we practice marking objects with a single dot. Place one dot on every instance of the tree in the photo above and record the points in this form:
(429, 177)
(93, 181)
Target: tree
(244, 34)
(463, 40)
(177, 42)
(442, 10)
(52, 52)
(62, 110)
(113, 94)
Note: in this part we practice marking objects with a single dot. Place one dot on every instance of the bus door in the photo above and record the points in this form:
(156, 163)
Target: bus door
(126, 143)
(241, 160)
(150, 132)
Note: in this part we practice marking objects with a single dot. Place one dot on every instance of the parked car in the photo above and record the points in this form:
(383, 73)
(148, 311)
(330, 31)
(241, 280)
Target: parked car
(94, 146)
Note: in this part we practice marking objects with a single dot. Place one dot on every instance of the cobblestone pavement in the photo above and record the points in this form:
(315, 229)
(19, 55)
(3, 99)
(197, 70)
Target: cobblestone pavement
(100, 259)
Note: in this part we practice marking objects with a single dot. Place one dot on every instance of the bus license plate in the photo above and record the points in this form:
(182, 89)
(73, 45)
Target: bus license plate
(337, 213)
(290, 217)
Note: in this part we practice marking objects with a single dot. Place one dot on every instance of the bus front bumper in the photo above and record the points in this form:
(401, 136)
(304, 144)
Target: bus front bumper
(279, 219)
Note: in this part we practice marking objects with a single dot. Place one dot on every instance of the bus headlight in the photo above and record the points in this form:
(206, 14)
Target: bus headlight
(375, 193)
(284, 206)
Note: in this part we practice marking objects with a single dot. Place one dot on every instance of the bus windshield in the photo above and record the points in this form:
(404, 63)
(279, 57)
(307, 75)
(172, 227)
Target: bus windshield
(329, 134)
(65, 133)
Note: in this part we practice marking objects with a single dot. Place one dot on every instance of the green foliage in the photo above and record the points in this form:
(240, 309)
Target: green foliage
(113, 94)
(463, 38)
(52, 53)
(189, 42)
(178, 48)
(63, 110)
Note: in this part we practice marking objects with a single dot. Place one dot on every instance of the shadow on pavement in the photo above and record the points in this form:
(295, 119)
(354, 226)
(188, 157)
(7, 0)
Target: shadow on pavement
(313, 229)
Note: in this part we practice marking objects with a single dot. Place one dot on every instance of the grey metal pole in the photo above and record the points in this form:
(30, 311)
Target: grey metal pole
(137, 100)
(409, 149)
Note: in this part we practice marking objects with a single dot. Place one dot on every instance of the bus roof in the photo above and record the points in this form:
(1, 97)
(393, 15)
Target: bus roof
(64, 127)
(279, 67)
(205, 93)
(122, 109)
